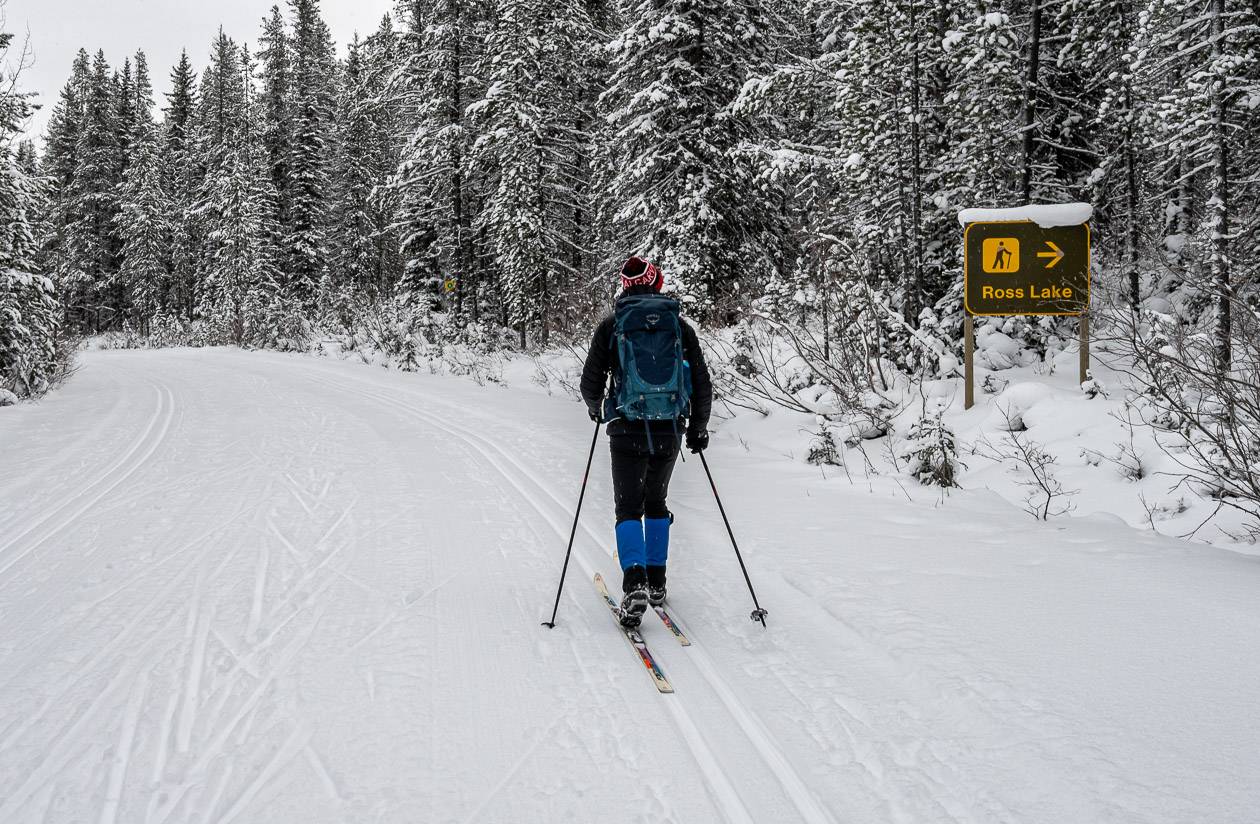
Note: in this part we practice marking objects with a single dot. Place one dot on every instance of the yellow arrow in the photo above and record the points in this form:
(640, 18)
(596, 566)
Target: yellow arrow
(1057, 254)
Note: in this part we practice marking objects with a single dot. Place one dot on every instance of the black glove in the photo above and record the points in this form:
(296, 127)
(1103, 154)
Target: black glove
(697, 441)
(593, 411)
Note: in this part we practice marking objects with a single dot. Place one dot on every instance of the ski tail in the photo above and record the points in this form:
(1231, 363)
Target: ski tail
(635, 640)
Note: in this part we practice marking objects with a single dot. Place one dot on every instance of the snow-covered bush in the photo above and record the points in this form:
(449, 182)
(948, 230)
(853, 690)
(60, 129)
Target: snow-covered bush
(931, 451)
(823, 449)
(33, 355)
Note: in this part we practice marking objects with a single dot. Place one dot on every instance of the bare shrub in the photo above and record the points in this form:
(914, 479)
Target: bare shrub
(1045, 497)
(1203, 414)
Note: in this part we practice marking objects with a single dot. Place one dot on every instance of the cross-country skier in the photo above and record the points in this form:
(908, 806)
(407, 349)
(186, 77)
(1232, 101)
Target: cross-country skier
(659, 389)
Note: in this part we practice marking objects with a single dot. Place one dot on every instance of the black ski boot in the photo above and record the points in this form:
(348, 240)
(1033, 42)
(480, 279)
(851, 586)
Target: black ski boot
(635, 601)
(656, 585)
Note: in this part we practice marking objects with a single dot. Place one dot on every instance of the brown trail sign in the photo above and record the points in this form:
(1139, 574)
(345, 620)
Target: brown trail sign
(1014, 266)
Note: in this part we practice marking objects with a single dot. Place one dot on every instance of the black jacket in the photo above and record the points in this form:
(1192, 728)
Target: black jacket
(602, 362)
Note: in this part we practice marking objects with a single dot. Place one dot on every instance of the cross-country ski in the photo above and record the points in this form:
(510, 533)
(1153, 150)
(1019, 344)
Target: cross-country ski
(635, 638)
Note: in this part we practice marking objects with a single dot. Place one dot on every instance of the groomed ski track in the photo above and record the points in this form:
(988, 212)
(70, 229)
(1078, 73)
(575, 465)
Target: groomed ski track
(256, 587)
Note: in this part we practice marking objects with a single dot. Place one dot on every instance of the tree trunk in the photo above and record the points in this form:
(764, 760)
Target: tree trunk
(917, 292)
(1219, 220)
(1131, 242)
(1030, 101)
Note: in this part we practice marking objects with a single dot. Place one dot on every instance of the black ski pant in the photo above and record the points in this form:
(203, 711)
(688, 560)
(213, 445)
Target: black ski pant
(640, 473)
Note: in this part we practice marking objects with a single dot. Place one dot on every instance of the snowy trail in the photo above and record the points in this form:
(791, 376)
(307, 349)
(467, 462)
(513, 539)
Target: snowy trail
(255, 587)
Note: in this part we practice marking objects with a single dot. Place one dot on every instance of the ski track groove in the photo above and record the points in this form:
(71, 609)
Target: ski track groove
(310, 572)
(214, 747)
(293, 745)
(142, 574)
(321, 772)
(85, 498)
(61, 748)
(67, 451)
(794, 788)
(123, 752)
(312, 755)
(194, 642)
(107, 649)
(511, 773)
(260, 582)
(244, 662)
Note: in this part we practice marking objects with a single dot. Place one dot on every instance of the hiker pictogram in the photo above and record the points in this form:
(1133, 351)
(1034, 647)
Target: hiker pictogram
(1000, 255)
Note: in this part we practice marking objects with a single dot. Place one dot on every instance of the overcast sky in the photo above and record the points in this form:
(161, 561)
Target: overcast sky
(58, 28)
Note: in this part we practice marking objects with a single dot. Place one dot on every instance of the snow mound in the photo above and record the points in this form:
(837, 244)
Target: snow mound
(7, 398)
(1013, 405)
(1045, 216)
(997, 350)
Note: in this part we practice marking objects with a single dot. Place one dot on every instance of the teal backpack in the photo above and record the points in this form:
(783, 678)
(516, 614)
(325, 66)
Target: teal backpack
(654, 383)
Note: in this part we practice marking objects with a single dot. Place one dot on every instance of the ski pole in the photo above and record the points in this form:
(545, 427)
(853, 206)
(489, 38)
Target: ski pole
(757, 614)
(589, 458)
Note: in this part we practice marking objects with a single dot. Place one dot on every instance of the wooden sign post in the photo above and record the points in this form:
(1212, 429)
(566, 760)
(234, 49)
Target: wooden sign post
(1018, 267)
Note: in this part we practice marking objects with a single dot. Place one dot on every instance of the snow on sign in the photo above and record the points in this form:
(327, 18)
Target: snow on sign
(1018, 267)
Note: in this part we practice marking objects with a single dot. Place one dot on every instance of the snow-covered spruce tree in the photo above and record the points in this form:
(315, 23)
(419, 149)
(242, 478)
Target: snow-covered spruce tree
(799, 153)
(353, 224)
(888, 125)
(30, 315)
(219, 122)
(58, 165)
(88, 204)
(1100, 42)
(276, 73)
(857, 137)
(678, 195)
(141, 224)
(983, 167)
(144, 224)
(238, 295)
(1206, 124)
(538, 72)
(381, 55)
(931, 451)
(436, 82)
(313, 95)
(181, 177)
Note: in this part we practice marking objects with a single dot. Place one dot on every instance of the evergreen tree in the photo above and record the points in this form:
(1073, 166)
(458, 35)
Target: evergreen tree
(381, 54)
(435, 198)
(538, 76)
(314, 76)
(144, 225)
(238, 289)
(89, 261)
(1206, 124)
(29, 311)
(180, 178)
(277, 111)
(354, 227)
(678, 195)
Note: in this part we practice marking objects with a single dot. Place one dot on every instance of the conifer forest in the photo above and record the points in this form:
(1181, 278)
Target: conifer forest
(476, 171)
(494, 161)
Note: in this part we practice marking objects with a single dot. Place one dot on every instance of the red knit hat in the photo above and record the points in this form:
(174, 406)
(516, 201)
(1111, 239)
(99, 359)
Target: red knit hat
(638, 272)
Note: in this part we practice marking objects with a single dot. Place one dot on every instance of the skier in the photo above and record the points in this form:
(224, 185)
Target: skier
(651, 399)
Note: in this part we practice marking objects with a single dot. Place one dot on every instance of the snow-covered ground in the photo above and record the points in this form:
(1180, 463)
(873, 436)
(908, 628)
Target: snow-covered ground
(256, 587)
